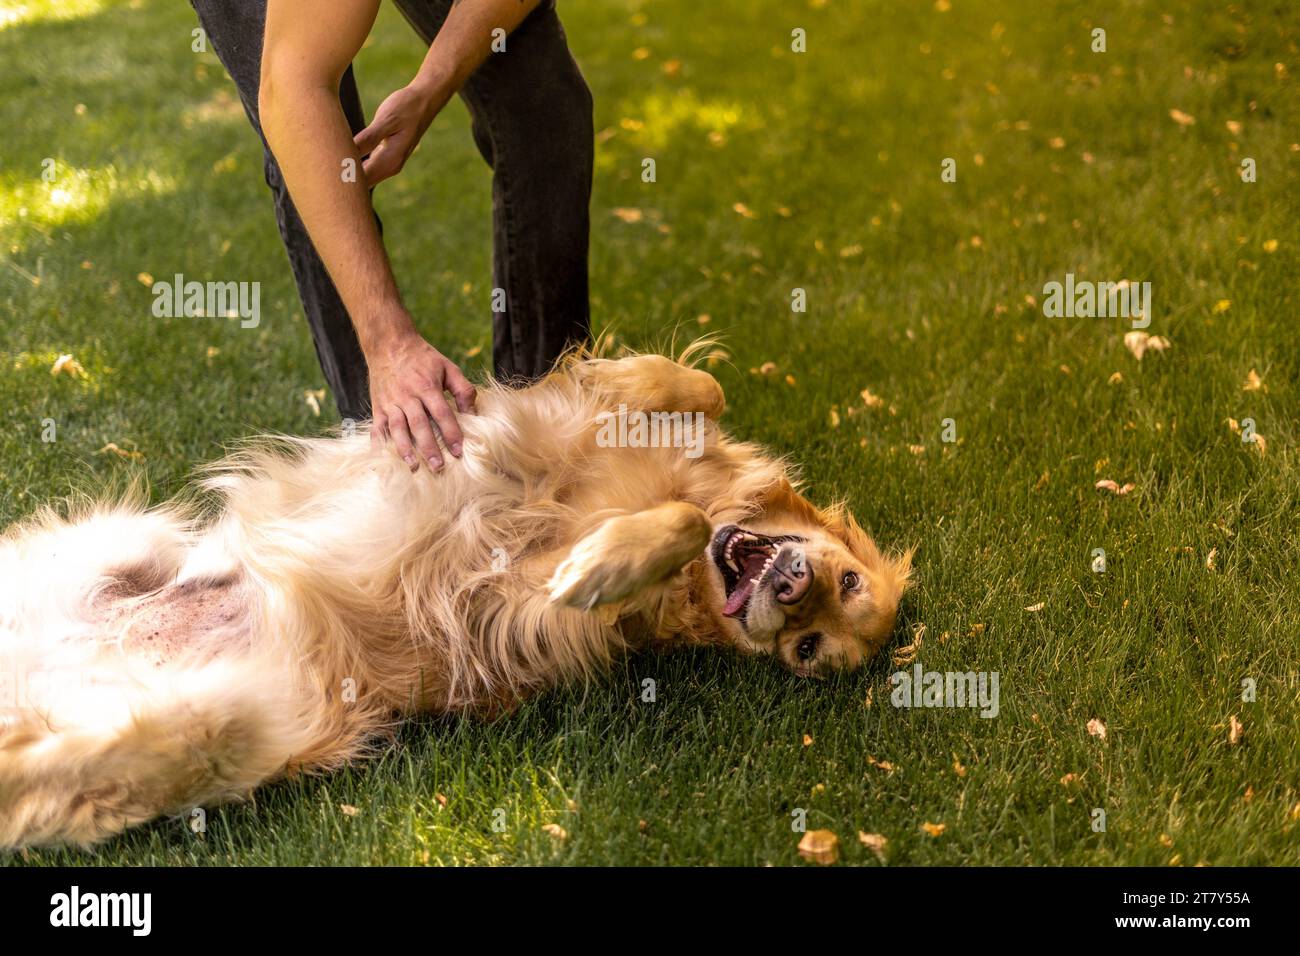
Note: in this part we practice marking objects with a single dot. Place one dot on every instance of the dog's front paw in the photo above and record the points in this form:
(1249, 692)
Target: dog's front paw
(590, 575)
(629, 554)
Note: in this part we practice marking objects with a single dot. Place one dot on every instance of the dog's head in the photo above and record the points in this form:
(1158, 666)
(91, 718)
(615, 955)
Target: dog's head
(804, 585)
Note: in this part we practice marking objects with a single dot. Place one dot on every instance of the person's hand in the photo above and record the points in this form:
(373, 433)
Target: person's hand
(408, 379)
(396, 128)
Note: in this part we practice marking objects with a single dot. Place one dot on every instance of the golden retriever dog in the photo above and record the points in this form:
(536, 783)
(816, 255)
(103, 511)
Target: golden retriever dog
(156, 660)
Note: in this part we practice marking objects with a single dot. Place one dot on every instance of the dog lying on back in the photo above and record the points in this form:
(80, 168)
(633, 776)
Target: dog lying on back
(168, 658)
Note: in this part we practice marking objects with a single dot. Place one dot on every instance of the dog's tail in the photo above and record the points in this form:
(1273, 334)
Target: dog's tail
(101, 757)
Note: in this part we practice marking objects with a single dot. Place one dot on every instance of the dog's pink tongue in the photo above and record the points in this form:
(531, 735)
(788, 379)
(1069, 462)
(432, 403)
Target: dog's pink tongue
(746, 586)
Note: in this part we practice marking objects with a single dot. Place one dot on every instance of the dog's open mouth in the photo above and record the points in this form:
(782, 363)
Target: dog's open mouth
(745, 558)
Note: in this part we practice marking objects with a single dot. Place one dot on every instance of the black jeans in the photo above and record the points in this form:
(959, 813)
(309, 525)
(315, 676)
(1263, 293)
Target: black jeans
(532, 122)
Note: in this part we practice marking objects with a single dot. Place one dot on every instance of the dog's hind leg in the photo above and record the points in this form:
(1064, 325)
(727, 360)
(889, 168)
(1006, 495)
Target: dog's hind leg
(630, 553)
(653, 383)
(128, 746)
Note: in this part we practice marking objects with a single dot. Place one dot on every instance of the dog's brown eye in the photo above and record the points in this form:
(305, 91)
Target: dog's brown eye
(850, 581)
(807, 648)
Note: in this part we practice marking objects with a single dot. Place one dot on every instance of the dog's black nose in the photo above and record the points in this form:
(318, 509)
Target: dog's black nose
(794, 575)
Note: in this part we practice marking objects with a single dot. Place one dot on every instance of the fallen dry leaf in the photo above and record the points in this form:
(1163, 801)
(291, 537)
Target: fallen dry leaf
(917, 450)
(1181, 118)
(1261, 445)
(958, 767)
(1069, 780)
(1235, 731)
(1036, 607)
(835, 418)
(67, 365)
(1254, 383)
(1107, 484)
(441, 798)
(907, 653)
(807, 740)
(1097, 729)
(313, 398)
(744, 210)
(884, 765)
(872, 401)
(875, 842)
(1115, 378)
(628, 214)
(1233, 127)
(1209, 559)
(820, 846)
(1166, 841)
(348, 810)
(112, 449)
(1138, 342)
(716, 357)
(934, 829)
(1270, 245)
(555, 831)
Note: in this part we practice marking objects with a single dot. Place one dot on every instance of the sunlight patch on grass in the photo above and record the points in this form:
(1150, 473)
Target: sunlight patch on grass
(74, 196)
(663, 117)
(37, 11)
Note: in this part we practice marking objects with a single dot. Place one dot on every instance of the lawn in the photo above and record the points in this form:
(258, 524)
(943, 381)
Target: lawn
(776, 171)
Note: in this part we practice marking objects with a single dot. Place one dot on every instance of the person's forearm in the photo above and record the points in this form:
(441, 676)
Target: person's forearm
(311, 141)
(465, 41)
(305, 126)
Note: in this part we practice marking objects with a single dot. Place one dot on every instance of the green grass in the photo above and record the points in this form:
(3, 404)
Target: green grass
(836, 155)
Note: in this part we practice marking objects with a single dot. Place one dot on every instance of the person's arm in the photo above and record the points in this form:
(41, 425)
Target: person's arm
(462, 44)
(307, 48)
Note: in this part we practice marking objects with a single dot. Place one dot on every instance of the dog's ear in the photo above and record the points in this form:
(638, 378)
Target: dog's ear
(892, 572)
(783, 498)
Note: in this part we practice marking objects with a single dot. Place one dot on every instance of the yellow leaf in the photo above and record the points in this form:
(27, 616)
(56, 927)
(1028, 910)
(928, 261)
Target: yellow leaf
(556, 832)
(1235, 731)
(934, 829)
(820, 846)
(1181, 118)
(876, 843)
(67, 365)
(112, 449)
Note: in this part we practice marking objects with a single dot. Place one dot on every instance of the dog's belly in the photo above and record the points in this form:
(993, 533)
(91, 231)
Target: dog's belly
(194, 620)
